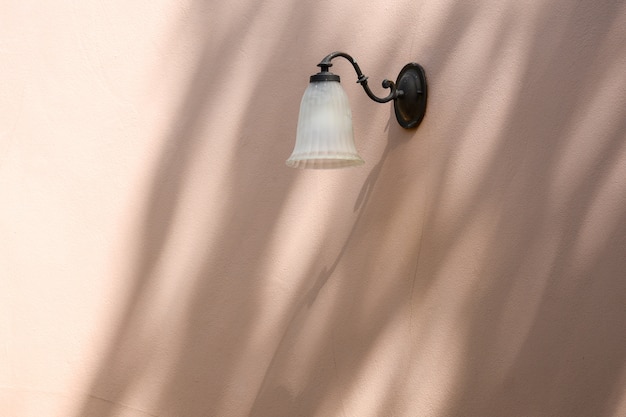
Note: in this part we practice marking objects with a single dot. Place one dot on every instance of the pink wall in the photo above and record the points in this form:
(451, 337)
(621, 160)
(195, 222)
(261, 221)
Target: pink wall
(158, 258)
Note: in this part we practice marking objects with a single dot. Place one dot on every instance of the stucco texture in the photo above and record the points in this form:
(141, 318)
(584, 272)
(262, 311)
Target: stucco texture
(157, 257)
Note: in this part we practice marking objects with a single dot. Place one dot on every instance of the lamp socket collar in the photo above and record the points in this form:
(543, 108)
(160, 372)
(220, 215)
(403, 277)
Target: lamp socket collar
(324, 76)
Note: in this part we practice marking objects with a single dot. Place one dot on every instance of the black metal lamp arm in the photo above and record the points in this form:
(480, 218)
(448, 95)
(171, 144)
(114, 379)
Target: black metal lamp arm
(362, 79)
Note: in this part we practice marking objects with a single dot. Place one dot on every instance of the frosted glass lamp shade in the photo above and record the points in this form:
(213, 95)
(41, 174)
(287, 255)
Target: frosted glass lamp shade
(324, 137)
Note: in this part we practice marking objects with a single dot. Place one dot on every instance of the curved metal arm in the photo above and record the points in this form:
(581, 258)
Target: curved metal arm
(362, 79)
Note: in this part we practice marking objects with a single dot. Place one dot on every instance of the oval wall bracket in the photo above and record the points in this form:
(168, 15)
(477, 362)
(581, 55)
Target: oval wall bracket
(410, 105)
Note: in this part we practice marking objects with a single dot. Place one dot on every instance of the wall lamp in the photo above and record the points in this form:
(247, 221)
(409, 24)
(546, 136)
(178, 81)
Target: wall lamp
(324, 137)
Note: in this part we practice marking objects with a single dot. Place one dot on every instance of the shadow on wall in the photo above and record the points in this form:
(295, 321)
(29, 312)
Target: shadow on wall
(222, 308)
(543, 318)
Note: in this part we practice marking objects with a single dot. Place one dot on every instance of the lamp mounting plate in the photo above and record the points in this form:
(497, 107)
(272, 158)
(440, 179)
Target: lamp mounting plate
(410, 105)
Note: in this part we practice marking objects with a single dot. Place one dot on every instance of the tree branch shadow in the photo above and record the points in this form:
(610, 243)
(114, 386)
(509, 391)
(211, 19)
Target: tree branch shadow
(222, 309)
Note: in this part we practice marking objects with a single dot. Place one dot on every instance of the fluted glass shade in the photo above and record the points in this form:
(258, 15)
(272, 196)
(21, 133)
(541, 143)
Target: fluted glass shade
(324, 137)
